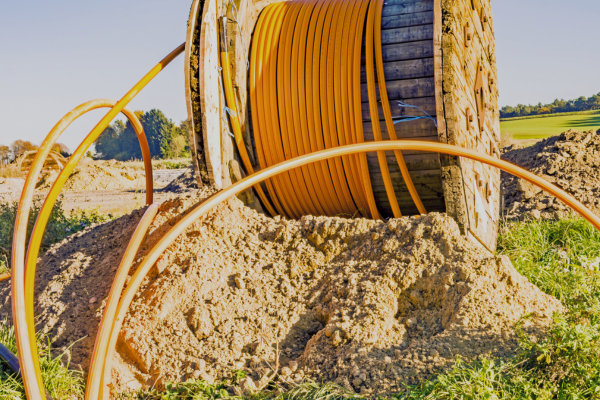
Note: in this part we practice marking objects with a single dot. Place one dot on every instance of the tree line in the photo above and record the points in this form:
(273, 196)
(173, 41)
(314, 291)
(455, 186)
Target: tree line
(119, 141)
(558, 106)
(165, 139)
(19, 147)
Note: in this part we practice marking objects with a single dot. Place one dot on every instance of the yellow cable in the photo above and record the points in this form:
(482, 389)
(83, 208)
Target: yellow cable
(387, 112)
(263, 146)
(291, 132)
(271, 109)
(312, 108)
(383, 164)
(237, 130)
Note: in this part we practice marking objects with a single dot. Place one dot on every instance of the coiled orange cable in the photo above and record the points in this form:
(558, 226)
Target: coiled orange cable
(333, 190)
(383, 164)
(265, 150)
(269, 105)
(387, 112)
(357, 111)
(326, 114)
(310, 100)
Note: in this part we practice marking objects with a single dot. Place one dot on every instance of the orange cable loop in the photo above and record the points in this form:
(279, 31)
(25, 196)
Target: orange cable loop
(235, 122)
(24, 276)
(387, 112)
(263, 109)
(383, 164)
(95, 388)
(272, 171)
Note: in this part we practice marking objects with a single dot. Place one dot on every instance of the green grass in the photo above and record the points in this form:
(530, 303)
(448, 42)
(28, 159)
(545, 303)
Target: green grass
(562, 259)
(60, 381)
(544, 126)
(550, 115)
(60, 224)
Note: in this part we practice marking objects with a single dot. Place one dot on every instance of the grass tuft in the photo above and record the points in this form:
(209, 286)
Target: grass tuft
(60, 224)
(61, 382)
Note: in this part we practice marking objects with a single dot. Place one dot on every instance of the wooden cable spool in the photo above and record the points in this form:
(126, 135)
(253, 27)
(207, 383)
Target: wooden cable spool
(445, 66)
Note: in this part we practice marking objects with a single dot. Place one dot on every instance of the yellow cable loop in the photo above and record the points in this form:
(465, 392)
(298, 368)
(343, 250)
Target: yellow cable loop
(291, 132)
(305, 142)
(387, 112)
(235, 124)
(23, 280)
(326, 113)
(269, 88)
(264, 148)
(329, 191)
(383, 165)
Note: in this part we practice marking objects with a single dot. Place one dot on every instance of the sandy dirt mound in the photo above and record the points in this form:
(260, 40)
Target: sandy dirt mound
(96, 176)
(10, 189)
(571, 161)
(369, 305)
(184, 183)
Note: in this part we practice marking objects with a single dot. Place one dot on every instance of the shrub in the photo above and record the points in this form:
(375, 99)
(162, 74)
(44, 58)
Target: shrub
(60, 224)
(61, 383)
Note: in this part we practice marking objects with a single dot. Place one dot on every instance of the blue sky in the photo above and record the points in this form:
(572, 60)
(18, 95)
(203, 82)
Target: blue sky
(57, 54)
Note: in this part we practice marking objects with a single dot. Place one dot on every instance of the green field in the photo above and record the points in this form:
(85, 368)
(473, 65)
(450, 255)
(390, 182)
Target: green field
(549, 126)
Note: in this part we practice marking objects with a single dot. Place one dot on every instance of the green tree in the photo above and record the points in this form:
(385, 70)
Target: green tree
(130, 144)
(160, 132)
(108, 143)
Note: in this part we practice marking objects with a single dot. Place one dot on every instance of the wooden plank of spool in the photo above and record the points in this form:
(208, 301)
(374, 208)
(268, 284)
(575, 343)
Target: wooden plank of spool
(480, 97)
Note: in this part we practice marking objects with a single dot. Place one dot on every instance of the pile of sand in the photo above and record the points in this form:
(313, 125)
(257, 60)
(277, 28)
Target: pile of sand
(571, 161)
(96, 176)
(184, 183)
(369, 305)
(10, 189)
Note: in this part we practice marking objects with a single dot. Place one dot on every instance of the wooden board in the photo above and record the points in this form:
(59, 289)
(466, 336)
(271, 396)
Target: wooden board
(472, 188)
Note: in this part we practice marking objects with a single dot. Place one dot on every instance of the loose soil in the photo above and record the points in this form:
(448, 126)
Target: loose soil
(92, 187)
(96, 176)
(571, 161)
(371, 305)
(10, 189)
